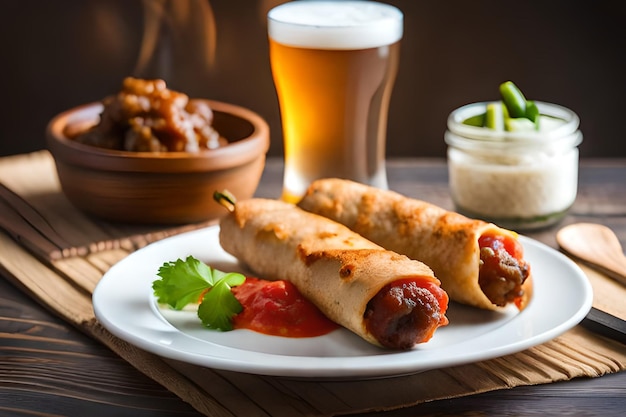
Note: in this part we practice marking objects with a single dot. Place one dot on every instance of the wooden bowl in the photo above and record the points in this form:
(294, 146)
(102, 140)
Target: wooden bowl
(163, 188)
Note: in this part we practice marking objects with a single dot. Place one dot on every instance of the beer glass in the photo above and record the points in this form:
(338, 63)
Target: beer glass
(334, 64)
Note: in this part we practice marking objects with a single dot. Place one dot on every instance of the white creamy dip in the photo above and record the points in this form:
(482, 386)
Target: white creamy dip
(518, 187)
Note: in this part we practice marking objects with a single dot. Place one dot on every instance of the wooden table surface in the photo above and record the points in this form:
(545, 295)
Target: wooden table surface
(48, 368)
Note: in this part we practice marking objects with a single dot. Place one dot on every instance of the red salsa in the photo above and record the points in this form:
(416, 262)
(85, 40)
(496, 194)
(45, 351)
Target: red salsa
(277, 308)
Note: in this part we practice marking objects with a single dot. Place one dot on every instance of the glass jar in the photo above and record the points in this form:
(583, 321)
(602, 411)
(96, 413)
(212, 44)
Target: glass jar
(519, 180)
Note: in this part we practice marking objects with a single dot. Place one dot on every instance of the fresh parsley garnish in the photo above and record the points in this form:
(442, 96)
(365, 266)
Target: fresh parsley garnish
(188, 281)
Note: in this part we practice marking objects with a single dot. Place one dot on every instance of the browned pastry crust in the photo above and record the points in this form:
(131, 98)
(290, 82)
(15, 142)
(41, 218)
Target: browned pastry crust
(444, 240)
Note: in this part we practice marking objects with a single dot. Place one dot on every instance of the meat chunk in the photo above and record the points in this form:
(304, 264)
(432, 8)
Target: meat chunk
(146, 116)
(501, 274)
(406, 312)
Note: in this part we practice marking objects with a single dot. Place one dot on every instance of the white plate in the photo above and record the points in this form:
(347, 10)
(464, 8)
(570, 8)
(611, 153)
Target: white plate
(124, 304)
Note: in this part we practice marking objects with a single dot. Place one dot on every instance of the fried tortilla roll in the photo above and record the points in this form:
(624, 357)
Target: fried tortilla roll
(386, 298)
(478, 263)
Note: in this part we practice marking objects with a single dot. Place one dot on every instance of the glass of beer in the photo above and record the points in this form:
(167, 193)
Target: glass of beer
(334, 64)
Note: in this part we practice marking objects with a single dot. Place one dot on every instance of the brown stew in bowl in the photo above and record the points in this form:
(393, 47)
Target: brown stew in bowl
(146, 116)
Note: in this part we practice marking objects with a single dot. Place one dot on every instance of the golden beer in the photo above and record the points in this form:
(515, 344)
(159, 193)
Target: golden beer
(334, 76)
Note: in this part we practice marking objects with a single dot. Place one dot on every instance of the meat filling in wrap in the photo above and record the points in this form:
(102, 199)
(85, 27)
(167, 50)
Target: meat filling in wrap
(405, 311)
(502, 270)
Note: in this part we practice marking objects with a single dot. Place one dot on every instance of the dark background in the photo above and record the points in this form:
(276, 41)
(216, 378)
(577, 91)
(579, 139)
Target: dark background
(62, 53)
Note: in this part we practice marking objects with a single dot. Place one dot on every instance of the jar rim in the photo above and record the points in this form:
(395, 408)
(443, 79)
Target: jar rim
(455, 124)
(508, 147)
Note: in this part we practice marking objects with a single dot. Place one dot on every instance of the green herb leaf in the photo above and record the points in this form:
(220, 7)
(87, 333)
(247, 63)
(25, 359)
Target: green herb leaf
(185, 282)
(219, 305)
(182, 282)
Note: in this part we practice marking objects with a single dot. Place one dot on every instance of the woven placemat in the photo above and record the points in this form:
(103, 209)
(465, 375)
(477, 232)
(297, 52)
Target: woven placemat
(65, 286)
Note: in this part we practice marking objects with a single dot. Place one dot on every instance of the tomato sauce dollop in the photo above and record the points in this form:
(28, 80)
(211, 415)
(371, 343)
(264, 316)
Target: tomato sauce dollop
(277, 308)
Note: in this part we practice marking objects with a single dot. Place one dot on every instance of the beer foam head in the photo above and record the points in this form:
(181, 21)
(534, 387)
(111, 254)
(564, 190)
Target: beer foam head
(335, 24)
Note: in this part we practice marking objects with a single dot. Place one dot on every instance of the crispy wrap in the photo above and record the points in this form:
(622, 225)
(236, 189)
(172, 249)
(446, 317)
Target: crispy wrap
(478, 263)
(386, 298)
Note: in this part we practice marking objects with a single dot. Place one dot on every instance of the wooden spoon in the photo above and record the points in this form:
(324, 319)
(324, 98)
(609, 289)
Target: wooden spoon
(596, 245)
